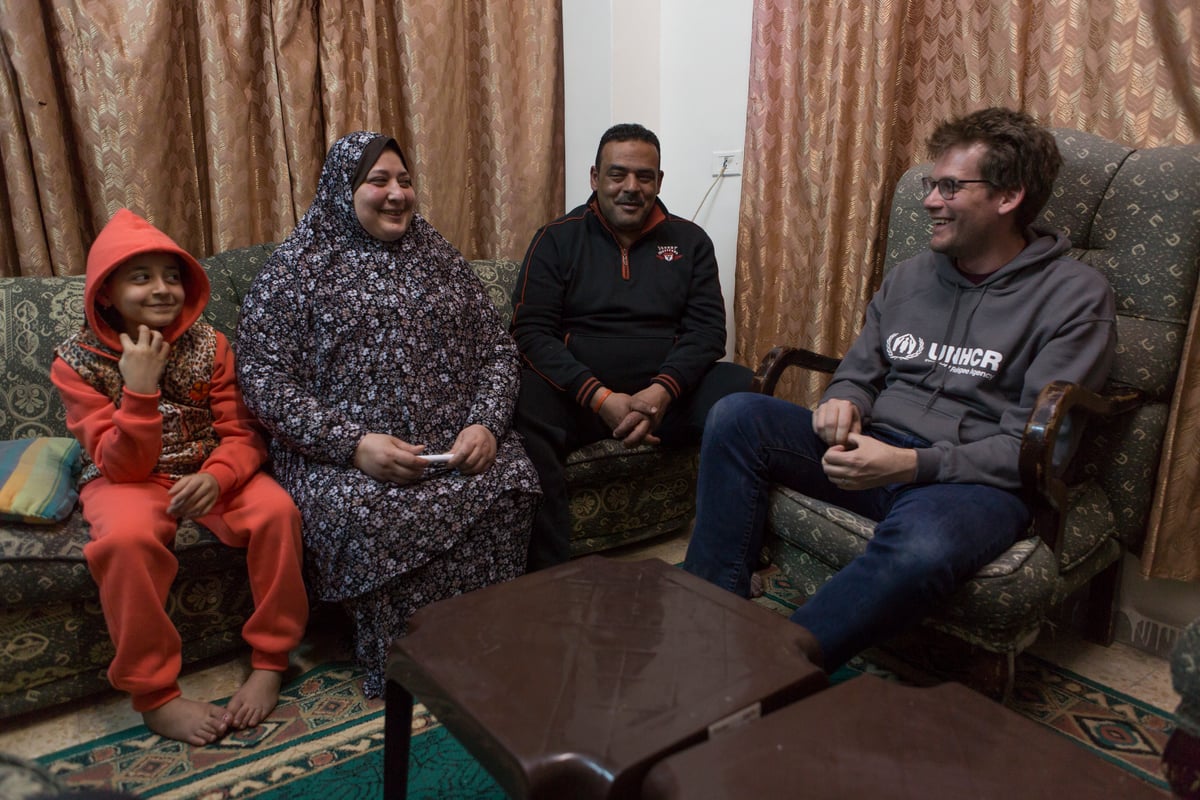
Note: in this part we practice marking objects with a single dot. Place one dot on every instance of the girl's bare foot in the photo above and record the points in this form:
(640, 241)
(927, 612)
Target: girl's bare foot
(256, 699)
(188, 721)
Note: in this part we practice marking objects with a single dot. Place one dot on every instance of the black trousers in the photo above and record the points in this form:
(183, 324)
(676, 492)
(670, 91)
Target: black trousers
(552, 426)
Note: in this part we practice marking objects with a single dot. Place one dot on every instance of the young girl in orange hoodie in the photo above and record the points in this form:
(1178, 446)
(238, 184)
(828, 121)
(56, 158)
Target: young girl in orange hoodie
(150, 393)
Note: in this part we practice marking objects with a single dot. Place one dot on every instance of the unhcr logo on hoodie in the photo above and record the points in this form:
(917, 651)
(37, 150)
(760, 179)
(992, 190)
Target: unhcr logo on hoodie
(977, 362)
(904, 346)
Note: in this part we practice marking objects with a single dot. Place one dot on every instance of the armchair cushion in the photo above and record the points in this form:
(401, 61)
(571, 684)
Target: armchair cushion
(810, 540)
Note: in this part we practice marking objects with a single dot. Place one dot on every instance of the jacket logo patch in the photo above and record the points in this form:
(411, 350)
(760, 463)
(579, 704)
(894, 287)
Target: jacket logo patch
(904, 346)
(199, 391)
(668, 252)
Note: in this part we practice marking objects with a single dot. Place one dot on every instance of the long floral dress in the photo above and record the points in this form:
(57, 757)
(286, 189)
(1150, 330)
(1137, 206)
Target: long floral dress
(342, 335)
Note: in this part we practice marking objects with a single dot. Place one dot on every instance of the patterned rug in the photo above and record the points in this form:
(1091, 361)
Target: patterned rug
(325, 740)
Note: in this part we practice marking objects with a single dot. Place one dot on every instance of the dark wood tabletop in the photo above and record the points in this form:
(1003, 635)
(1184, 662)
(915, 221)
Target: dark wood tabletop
(574, 681)
(874, 738)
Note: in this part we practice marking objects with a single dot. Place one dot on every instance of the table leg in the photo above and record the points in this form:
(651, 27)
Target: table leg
(397, 736)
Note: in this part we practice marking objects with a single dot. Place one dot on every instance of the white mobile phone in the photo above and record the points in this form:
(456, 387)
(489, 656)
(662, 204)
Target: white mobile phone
(436, 458)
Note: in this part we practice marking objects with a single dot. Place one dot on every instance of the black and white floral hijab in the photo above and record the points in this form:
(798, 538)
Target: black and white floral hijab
(331, 225)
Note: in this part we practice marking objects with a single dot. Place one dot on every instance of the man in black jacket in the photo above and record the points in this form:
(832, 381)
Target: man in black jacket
(620, 320)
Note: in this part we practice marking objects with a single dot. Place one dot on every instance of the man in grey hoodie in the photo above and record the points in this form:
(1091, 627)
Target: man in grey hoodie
(920, 428)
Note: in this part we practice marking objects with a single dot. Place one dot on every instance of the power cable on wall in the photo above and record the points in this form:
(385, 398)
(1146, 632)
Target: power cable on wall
(724, 166)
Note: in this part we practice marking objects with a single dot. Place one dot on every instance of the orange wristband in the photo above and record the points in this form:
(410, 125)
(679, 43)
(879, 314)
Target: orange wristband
(599, 399)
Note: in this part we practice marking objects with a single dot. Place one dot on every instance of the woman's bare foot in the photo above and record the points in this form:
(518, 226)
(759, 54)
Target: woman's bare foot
(756, 584)
(188, 721)
(256, 699)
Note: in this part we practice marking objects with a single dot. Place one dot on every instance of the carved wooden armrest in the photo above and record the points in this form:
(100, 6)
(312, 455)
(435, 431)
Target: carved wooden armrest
(771, 368)
(1040, 475)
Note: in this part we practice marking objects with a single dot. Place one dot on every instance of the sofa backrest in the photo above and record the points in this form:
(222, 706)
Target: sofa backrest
(499, 276)
(229, 275)
(37, 314)
(1133, 215)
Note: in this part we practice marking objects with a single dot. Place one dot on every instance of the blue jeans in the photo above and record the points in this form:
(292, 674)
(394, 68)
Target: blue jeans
(930, 539)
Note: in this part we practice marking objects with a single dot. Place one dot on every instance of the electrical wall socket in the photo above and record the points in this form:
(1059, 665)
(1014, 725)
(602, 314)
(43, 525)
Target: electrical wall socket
(731, 159)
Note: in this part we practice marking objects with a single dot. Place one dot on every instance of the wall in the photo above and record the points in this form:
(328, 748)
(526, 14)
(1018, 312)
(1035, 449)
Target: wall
(682, 69)
(1153, 612)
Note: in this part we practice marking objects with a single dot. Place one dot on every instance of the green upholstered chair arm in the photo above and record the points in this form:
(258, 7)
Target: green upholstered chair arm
(1043, 472)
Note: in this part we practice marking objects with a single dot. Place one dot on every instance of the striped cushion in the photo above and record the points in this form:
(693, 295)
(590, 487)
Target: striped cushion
(37, 479)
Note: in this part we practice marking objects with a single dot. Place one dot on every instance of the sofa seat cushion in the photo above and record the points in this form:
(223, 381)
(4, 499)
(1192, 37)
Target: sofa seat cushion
(55, 643)
(60, 651)
(44, 564)
(620, 495)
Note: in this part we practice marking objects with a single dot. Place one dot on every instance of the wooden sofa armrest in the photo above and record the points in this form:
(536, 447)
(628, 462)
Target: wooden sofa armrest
(771, 368)
(1042, 478)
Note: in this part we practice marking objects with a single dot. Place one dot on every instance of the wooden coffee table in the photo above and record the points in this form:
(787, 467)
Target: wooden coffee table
(869, 737)
(574, 681)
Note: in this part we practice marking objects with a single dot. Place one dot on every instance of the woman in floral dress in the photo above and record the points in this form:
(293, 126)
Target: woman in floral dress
(366, 342)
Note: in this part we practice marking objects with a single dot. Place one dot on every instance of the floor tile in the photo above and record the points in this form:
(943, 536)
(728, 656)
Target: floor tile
(1120, 666)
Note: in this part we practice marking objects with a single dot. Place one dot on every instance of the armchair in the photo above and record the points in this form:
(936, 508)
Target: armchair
(1132, 215)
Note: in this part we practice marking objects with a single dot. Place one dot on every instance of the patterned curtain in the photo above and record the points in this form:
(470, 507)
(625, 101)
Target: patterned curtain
(212, 118)
(842, 97)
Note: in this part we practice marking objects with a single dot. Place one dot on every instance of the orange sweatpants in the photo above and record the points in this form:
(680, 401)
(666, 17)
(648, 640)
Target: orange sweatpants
(131, 559)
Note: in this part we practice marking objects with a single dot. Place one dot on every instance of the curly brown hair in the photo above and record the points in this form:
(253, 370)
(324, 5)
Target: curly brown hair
(1020, 153)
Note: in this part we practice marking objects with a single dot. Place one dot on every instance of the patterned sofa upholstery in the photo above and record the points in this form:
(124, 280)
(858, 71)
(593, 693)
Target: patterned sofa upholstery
(1132, 215)
(53, 643)
(1181, 756)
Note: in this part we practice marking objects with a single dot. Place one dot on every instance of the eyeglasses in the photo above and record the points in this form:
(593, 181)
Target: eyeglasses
(947, 187)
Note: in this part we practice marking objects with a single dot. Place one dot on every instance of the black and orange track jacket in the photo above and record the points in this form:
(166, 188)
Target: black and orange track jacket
(589, 314)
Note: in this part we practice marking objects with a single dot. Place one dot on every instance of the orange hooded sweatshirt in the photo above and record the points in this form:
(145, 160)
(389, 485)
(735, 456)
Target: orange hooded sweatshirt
(195, 422)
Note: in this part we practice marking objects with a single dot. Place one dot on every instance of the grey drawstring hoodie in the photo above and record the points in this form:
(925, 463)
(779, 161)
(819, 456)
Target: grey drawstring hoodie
(960, 365)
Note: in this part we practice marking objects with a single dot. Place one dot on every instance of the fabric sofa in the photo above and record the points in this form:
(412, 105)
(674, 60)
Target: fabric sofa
(54, 645)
